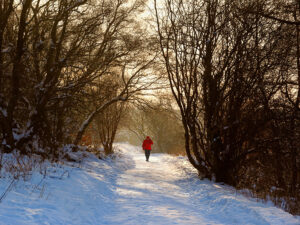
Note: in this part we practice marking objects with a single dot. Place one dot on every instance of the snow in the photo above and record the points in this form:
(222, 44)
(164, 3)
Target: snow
(128, 190)
(39, 43)
(6, 50)
(3, 111)
(85, 123)
(17, 136)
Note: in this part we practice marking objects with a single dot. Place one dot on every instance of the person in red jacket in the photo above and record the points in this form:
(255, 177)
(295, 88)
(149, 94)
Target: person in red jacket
(147, 147)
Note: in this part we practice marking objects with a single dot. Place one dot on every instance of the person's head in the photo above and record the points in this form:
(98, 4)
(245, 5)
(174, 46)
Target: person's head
(147, 137)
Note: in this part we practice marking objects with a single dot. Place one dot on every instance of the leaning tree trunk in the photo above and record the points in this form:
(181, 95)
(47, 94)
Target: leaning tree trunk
(91, 117)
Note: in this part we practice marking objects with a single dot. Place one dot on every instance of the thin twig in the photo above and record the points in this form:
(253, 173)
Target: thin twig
(7, 190)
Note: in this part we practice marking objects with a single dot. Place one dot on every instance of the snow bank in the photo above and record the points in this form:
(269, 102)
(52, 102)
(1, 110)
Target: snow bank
(128, 190)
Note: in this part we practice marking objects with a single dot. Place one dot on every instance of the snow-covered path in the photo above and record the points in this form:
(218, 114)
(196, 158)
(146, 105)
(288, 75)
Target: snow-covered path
(166, 190)
(129, 190)
(153, 193)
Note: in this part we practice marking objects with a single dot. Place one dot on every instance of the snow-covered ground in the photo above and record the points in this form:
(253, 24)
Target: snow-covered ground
(128, 190)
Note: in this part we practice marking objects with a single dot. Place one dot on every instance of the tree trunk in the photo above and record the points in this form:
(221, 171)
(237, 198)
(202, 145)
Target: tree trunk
(16, 73)
(86, 123)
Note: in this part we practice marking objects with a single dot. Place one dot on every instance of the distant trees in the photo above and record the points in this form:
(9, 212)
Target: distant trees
(233, 69)
(107, 122)
(107, 125)
(161, 122)
(53, 56)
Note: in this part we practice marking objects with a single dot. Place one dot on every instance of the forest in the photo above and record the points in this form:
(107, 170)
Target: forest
(217, 81)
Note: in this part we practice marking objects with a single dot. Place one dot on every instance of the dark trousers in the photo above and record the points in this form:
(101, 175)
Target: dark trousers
(147, 154)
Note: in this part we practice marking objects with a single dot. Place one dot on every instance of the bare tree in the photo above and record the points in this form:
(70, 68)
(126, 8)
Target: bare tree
(107, 124)
(235, 81)
(214, 61)
(51, 54)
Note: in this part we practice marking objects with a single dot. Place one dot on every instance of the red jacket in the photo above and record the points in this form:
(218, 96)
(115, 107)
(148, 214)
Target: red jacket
(147, 144)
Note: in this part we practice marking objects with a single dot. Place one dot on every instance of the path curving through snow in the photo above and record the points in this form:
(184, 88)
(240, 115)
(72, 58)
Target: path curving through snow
(129, 190)
(166, 190)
